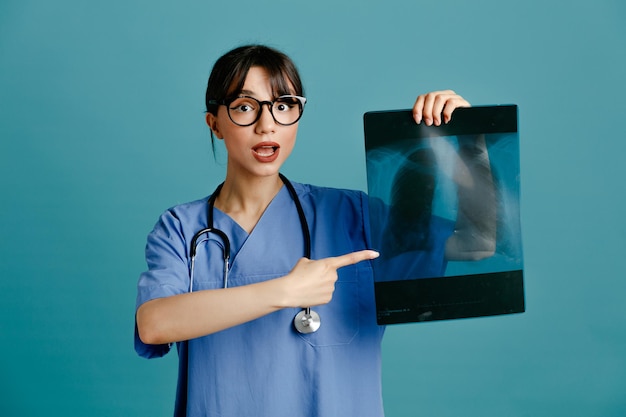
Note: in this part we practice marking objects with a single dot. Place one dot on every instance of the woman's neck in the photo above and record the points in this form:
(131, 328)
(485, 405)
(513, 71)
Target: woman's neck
(245, 200)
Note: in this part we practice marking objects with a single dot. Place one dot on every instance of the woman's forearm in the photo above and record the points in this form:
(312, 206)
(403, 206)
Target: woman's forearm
(187, 316)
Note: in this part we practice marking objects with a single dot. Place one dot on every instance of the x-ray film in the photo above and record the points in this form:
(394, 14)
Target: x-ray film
(444, 214)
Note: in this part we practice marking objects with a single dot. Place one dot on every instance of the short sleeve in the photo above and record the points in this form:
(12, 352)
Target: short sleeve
(167, 274)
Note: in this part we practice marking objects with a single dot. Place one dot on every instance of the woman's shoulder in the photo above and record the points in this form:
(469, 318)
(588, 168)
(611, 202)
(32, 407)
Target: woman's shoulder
(322, 192)
(190, 206)
(191, 214)
(186, 210)
(340, 203)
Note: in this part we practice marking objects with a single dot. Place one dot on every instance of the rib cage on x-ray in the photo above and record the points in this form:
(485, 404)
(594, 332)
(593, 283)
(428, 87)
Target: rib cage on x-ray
(411, 201)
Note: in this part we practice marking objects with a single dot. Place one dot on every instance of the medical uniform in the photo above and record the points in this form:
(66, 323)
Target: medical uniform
(265, 367)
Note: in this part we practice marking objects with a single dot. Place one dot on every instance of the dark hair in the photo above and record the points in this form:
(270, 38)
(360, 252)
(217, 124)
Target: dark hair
(229, 73)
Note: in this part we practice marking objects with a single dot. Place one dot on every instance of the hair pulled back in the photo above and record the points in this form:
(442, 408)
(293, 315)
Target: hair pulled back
(229, 73)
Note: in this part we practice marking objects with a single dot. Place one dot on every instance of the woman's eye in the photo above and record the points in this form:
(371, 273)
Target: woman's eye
(284, 106)
(242, 107)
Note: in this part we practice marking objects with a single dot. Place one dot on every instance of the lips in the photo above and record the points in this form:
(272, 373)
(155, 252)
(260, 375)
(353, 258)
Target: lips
(266, 151)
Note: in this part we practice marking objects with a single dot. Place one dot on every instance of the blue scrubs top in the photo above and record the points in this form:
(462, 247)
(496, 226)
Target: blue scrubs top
(265, 367)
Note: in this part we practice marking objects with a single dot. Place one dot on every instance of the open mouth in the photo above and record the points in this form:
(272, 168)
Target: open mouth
(265, 150)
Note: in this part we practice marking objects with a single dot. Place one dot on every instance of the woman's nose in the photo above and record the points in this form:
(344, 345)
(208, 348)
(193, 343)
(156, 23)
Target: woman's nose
(266, 122)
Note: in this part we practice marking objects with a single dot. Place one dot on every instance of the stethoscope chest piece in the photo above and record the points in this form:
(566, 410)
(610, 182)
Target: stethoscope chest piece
(307, 321)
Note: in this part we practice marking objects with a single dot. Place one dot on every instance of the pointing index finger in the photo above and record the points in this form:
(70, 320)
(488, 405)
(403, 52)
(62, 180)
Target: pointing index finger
(352, 258)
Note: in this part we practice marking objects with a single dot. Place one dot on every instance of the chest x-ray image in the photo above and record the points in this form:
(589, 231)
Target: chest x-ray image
(444, 214)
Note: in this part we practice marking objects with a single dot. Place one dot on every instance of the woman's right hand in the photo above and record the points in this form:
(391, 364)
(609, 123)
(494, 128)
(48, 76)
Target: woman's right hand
(312, 282)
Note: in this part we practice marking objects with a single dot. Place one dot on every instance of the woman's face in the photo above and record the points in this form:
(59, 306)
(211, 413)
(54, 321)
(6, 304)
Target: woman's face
(259, 149)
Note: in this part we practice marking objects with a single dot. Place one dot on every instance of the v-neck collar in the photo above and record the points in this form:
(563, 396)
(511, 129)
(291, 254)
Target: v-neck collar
(277, 233)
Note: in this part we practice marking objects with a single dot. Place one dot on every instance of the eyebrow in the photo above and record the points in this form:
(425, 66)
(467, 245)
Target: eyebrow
(252, 93)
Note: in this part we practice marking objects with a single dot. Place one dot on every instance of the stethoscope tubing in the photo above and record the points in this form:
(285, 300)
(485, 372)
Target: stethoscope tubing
(306, 321)
(225, 252)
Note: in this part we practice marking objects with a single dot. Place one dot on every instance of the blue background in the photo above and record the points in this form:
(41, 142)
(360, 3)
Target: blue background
(101, 129)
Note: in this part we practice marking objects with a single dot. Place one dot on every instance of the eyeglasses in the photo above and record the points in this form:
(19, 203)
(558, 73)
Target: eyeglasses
(245, 110)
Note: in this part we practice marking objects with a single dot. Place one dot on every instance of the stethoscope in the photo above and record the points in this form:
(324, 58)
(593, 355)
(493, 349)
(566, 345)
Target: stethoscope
(307, 320)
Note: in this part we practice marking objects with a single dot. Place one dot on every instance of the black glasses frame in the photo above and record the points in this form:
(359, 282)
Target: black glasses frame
(270, 104)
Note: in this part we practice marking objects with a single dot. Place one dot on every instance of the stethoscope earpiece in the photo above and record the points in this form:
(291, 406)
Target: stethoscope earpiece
(306, 321)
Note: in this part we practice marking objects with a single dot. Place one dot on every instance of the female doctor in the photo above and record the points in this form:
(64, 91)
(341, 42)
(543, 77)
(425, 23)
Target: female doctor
(292, 246)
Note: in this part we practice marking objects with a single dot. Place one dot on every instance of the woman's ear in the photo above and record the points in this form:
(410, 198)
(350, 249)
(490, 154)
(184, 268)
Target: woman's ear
(211, 121)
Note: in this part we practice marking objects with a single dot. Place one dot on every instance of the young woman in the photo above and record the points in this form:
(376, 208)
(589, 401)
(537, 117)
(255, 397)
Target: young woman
(292, 246)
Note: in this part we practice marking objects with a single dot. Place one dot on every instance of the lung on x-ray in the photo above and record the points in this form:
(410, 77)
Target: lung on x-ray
(444, 214)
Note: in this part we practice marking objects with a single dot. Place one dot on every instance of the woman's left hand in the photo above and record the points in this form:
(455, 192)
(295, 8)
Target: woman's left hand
(432, 107)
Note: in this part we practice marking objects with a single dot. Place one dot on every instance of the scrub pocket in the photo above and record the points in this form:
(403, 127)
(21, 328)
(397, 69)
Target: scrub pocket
(340, 318)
